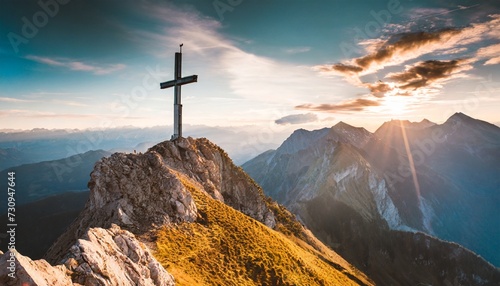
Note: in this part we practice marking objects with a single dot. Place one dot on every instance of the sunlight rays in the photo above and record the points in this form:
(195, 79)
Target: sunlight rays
(411, 164)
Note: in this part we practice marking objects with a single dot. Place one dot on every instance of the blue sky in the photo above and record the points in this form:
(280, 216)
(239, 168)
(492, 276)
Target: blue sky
(271, 64)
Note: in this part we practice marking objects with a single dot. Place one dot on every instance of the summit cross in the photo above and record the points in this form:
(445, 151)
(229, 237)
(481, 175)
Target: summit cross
(177, 83)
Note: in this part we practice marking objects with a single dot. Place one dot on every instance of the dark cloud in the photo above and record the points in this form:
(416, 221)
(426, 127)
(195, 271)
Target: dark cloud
(379, 88)
(418, 77)
(396, 45)
(396, 49)
(350, 105)
(297, 119)
(424, 73)
(342, 68)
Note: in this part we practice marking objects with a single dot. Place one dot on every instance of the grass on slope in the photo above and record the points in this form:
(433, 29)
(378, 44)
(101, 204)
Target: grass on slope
(226, 247)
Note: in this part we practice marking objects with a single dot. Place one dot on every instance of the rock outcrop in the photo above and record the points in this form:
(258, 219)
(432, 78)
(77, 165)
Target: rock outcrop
(141, 192)
(101, 257)
(210, 166)
(114, 257)
(25, 271)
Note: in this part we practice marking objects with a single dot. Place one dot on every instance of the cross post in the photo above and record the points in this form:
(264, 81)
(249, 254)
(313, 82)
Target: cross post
(177, 83)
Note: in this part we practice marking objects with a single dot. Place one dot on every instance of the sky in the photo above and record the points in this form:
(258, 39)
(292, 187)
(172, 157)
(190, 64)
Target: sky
(269, 65)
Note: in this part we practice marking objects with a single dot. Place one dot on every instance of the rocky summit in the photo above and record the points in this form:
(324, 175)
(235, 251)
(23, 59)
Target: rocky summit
(181, 213)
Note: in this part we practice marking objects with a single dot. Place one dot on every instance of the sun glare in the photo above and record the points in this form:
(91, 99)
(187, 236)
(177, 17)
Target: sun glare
(395, 105)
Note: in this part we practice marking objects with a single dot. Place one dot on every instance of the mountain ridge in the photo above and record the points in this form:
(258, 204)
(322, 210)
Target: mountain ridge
(326, 174)
(47, 178)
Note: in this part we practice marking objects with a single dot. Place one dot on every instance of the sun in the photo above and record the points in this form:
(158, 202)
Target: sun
(395, 105)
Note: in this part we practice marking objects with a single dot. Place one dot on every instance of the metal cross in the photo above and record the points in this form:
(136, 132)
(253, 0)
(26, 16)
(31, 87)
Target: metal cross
(177, 83)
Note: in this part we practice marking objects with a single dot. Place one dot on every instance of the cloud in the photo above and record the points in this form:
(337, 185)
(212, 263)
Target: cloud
(425, 73)
(397, 50)
(70, 103)
(400, 48)
(492, 53)
(77, 65)
(16, 100)
(297, 50)
(419, 77)
(297, 119)
(345, 68)
(492, 61)
(328, 119)
(23, 113)
(418, 13)
(379, 88)
(251, 77)
(348, 105)
(454, 51)
(39, 114)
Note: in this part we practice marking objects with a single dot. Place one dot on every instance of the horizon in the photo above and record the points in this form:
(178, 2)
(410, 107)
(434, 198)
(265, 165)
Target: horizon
(225, 127)
(313, 66)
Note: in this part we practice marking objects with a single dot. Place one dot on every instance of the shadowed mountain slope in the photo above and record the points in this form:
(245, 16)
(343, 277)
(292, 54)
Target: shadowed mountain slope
(355, 198)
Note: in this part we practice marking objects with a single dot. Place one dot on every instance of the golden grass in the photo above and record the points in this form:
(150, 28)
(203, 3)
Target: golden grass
(226, 247)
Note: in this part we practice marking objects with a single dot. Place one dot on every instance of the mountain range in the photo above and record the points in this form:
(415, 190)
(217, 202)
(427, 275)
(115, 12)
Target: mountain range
(183, 213)
(41, 180)
(399, 192)
(18, 147)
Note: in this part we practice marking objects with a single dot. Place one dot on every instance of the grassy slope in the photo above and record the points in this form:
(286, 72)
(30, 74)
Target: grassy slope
(226, 247)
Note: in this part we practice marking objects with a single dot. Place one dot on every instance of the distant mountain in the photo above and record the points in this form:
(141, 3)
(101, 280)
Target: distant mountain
(358, 196)
(37, 145)
(456, 194)
(44, 179)
(12, 157)
(425, 123)
(301, 139)
(356, 136)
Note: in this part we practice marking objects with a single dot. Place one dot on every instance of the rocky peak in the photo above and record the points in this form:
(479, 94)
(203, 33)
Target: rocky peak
(210, 166)
(476, 134)
(356, 136)
(426, 123)
(142, 192)
(461, 119)
(301, 139)
(460, 116)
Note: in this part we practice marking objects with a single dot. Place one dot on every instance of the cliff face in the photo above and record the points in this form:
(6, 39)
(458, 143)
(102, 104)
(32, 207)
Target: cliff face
(209, 165)
(175, 191)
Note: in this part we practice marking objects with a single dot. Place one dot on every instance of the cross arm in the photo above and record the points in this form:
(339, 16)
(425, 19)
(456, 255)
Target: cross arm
(181, 81)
